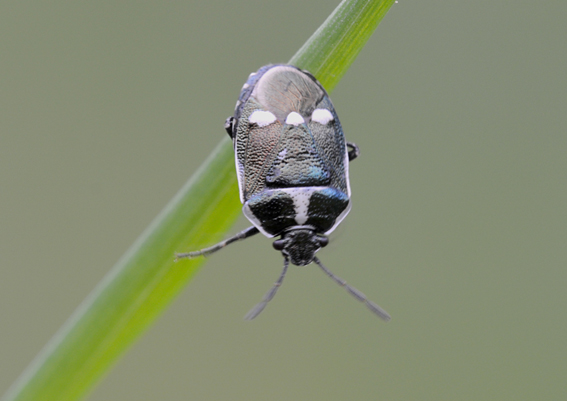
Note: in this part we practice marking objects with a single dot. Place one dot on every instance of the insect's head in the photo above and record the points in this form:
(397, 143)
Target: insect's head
(299, 244)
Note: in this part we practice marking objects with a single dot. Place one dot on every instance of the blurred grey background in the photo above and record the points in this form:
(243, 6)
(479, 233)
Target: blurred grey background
(459, 217)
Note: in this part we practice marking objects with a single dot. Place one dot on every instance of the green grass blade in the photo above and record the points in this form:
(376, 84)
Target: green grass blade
(137, 289)
(330, 51)
(146, 278)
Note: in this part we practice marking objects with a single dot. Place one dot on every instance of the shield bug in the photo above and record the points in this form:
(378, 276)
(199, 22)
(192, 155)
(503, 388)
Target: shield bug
(292, 166)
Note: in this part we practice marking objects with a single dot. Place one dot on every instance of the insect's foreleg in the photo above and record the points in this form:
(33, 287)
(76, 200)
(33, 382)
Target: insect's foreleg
(250, 231)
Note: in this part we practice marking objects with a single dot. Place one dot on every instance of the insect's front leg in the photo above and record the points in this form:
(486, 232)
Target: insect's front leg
(250, 231)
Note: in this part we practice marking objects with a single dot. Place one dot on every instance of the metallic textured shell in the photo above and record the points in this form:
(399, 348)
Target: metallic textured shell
(290, 173)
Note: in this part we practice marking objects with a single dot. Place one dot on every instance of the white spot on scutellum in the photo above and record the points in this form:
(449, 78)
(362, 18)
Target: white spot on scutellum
(245, 86)
(322, 116)
(294, 118)
(262, 118)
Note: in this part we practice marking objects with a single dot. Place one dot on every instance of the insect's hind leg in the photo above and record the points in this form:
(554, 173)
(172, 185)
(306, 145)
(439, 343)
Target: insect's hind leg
(250, 231)
(353, 152)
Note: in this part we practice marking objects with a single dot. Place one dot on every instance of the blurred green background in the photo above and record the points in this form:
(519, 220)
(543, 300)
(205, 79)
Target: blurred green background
(459, 217)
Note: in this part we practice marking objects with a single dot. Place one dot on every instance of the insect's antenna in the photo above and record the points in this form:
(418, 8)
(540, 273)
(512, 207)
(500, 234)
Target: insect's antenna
(354, 292)
(255, 311)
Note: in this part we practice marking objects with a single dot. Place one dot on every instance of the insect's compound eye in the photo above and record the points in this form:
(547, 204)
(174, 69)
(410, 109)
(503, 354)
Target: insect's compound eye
(322, 116)
(323, 241)
(279, 244)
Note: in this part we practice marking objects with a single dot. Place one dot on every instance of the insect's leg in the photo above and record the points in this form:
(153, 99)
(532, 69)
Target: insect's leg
(255, 311)
(250, 231)
(353, 152)
(354, 292)
(229, 126)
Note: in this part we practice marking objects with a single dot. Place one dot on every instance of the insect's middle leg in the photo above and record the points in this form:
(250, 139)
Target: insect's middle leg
(353, 152)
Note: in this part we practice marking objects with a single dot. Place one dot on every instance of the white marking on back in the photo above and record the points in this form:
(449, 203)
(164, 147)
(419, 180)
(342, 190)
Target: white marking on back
(301, 203)
(294, 118)
(301, 197)
(262, 118)
(322, 116)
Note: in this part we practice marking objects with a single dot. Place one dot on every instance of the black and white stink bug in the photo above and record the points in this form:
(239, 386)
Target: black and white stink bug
(292, 166)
